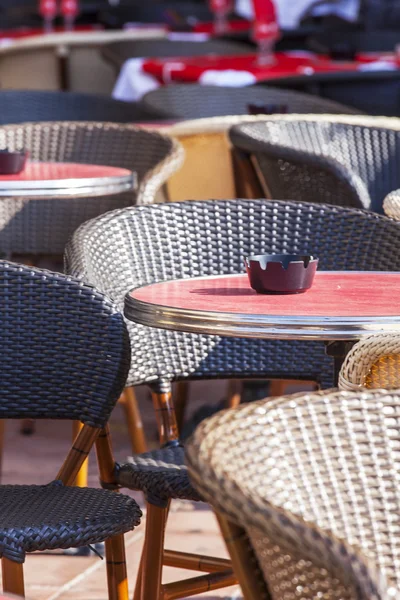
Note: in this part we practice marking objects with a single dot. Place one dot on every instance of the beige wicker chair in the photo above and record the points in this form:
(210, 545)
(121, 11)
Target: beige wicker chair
(307, 492)
(391, 205)
(373, 363)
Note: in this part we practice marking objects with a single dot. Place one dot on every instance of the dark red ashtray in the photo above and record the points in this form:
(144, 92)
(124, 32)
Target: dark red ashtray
(281, 273)
(12, 163)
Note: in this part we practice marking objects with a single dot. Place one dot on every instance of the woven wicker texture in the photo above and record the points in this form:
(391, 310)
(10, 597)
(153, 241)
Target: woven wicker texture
(313, 479)
(372, 363)
(141, 245)
(324, 161)
(44, 226)
(64, 347)
(391, 205)
(160, 474)
(202, 101)
(45, 517)
(118, 52)
(32, 105)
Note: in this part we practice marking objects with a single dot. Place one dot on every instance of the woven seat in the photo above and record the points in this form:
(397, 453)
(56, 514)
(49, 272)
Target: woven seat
(45, 517)
(391, 205)
(27, 106)
(202, 101)
(160, 474)
(307, 488)
(348, 161)
(44, 226)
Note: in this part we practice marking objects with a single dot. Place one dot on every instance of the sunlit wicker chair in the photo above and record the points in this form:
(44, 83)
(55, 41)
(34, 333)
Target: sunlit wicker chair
(306, 487)
(22, 106)
(44, 226)
(391, 205)
(66, 356)
(182, 101)
(373, 363)
(140, 245)
(344, 160)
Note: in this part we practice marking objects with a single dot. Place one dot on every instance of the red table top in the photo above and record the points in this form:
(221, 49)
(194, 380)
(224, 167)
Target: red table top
(25, 32)
(52, 171)
(287, 64)
(340, 305)
(333, 294)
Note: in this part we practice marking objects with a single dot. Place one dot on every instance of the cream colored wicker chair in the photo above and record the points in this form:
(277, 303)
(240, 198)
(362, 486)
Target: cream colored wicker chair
(307, 491)
(391, 205)
(373, 363)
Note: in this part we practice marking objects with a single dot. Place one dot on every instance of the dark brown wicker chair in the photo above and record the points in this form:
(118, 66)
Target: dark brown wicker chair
(185, 101)
(27, 106)
(65, 356)
(347, 161)
(141, 245)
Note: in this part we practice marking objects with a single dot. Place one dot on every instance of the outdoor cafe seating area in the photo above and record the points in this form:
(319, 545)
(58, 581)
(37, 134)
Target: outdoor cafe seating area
(200, 299)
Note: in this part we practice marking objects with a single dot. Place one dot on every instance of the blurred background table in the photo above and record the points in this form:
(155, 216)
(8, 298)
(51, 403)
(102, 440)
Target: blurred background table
(65, 180)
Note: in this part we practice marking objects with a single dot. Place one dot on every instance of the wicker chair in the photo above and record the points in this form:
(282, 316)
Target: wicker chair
(118, 52)
(348, 161)
(391, 205)
(44, 226)
(306, 486)
(140, 245)
(202, 101)
(373, 363)
(66, 356)
(21, 106)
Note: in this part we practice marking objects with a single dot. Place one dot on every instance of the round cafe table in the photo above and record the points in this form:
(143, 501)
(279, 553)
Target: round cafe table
(66, 180)
(340, 308)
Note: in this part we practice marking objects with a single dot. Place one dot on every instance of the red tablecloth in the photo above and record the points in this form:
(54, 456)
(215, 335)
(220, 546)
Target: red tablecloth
(286, 64)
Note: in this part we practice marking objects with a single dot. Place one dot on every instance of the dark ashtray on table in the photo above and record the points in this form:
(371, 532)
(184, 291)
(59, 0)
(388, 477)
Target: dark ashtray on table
(12, 163)
(281, 273)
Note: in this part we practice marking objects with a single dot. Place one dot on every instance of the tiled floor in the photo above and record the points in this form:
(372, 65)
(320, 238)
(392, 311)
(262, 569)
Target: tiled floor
(36, 459)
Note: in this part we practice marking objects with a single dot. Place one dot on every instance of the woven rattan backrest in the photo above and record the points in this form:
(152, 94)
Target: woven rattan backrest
(21, 106)
(110, 144)
(136, 246)
(391, 205)
(202, 101)
(372, 363)
(339, 163)
(313, 479)
(65, 349)
(34, 226)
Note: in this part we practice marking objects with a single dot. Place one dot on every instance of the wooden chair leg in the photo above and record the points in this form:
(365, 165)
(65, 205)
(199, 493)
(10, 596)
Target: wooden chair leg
(156, 521)
(234, 393)
(180, 401)
(116, 568)
(134, 421)
(13, 577)
(81, 479)
(165, 413)
(243, 559)
(138, 585)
